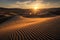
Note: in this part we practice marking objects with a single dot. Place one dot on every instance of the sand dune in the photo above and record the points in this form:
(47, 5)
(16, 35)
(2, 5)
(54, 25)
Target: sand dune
(33, 29)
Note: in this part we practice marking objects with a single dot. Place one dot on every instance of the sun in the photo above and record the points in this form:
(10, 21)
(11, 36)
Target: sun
(36, 7)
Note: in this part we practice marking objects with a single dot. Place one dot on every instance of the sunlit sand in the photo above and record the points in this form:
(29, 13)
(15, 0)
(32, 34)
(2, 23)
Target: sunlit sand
(21, 23)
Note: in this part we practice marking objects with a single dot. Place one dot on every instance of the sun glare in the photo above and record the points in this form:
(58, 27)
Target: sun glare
(36, 7)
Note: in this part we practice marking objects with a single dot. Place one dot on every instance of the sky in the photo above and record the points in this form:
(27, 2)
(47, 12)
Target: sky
(26, 4)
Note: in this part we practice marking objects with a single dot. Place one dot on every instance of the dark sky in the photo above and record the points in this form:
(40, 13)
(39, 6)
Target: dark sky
(54, 1)
(50, 2)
